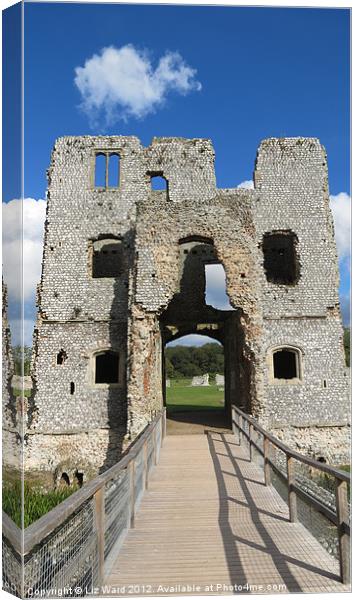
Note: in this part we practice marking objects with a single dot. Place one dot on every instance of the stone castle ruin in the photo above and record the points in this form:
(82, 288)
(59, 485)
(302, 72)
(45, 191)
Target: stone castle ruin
(123, 274)
(200, 380)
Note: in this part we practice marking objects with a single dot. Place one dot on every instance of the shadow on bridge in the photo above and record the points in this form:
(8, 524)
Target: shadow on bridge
(236, 545)
(198, 421)
(208, 517)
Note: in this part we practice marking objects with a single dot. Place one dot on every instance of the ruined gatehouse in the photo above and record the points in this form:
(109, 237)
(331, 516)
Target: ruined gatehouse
(123, 274)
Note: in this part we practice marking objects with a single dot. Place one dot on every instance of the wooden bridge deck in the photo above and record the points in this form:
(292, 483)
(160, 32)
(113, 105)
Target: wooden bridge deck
(207, 520)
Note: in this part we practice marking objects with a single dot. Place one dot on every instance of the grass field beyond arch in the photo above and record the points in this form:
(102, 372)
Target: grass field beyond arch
(181, 396)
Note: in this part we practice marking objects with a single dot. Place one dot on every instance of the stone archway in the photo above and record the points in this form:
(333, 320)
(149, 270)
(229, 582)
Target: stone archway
(170, 300)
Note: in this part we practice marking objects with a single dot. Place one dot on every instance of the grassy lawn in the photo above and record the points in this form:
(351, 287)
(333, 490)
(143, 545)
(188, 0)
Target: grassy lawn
(182, 397)
(26, 393)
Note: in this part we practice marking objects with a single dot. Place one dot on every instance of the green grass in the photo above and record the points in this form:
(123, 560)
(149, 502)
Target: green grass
(36, 502)
(26, 393)
(182, 397)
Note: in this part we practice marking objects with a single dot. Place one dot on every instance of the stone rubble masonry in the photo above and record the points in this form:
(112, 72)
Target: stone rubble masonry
(74, 425)
(11, 406)
(200, 380)
(7, 362)
(219, 379)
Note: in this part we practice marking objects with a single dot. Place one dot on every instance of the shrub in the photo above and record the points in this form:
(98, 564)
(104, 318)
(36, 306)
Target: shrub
(36, 501)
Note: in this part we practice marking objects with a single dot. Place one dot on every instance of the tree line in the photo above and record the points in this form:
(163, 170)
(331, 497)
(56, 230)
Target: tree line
(181, 361)
(18, 357)
(188, 361)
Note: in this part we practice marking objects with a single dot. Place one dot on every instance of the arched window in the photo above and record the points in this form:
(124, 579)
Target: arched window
(113, 170)
(107, 170)
(280, 257)
(158, 182)
(203, 275)
(286, 364)
(106, 367)
(107, 258)
(61, 357)
(100, 170)
(64, 481)
(79, 477)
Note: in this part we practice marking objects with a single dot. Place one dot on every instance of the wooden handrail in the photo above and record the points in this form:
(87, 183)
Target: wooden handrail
(342, 475)
(41, 528)
(12, 532)
(342, 478)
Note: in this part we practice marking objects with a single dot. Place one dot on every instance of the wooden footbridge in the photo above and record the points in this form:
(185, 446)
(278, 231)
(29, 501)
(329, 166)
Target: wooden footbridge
(204, 517)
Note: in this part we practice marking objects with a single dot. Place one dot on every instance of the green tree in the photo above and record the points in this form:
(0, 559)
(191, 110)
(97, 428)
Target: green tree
(188, 361)
(17, 355)
(169, 368)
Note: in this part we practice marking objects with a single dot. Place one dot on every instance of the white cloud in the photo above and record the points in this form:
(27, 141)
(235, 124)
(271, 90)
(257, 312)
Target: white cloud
(341, 210)
(34, 212)
(247, 185)
(122, 82)
(15, 328)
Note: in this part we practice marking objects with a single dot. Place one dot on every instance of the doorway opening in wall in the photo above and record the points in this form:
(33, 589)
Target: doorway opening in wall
(194, 383)
(200, 324)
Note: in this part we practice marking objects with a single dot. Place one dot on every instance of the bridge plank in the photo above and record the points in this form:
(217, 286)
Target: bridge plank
(207, 519)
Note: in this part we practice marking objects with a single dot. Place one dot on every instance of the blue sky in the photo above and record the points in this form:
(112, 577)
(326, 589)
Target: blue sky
(252, 73)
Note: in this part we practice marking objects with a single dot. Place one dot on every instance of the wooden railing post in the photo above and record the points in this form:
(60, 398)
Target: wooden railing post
(343, 537)
(235, 425)
(132, 493)
(267, 472)
(99, 509)
(240, 434)
(250, 441)
(146, 470)
(153, 435)
(163, 431)
(290, 467)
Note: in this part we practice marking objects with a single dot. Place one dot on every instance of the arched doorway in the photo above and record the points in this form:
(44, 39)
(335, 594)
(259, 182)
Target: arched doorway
(170, 300)
(202, 307)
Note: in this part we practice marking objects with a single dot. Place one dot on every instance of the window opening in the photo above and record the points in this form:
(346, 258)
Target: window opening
(79, 478)
(285, 364)
(107, 170)
(113, 171)
(158, 183)
(280, 259)
(61, 357)
(107, 258)
(100, 170)
(65, 479)
(215, 291)
(107, 367)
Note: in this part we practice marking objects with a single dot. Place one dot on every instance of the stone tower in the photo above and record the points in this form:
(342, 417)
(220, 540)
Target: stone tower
(124, 272)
